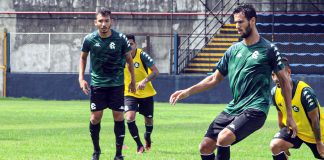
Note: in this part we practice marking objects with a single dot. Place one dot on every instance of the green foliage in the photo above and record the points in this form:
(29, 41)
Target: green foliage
(52, 130)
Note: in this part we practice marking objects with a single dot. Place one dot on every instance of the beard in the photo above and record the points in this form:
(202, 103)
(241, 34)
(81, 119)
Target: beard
(247, 32)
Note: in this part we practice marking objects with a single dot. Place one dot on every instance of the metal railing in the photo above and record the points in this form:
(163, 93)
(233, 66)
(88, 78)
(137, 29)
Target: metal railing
(202, 34)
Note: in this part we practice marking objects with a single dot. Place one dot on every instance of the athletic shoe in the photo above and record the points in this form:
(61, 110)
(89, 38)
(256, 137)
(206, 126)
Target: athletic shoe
(140, 150)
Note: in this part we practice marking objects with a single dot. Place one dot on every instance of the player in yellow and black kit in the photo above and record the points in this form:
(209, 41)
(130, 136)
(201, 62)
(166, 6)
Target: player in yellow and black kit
(142, 100)
(307, 113)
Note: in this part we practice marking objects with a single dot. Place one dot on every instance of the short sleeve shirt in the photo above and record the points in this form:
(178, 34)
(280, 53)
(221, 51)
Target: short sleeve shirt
(107, 58)
(249, 71)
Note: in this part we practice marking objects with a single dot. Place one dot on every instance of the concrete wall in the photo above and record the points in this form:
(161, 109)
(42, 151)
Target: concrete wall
(159, 46)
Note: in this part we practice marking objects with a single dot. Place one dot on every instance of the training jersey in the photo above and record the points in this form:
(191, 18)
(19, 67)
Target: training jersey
(107, 58)
(142, 63)
(249, 71)
(303, 101)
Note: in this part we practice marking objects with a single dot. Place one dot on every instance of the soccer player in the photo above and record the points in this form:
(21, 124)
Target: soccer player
(249, 65)
(142, 100)
(308, 114)
(109, 50)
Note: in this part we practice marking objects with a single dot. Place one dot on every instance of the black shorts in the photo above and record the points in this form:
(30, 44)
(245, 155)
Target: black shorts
(145, 106)
(297, 142)
(107, 97)
(241, 125)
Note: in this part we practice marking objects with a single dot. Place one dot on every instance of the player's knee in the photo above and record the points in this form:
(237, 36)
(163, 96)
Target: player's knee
(225, 137)
(206, 148)
(275, 146)
(130, 118)
(95, 120)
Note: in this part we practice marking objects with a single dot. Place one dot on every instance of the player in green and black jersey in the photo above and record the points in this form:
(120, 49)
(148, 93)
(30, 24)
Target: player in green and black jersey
(248, 65)
(109, 52)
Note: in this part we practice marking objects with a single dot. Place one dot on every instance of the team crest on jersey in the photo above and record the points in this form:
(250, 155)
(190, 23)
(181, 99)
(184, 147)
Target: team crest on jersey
(136, 64)
(295, 108)
(255, 54)
(112, 45)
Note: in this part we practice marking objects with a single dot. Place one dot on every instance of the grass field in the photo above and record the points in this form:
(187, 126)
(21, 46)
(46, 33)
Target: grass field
(58, 130)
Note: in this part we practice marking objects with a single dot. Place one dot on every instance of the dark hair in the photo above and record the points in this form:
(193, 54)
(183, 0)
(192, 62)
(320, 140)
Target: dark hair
(104, 12)
(247, 10)
(130, 36)
(285, 61)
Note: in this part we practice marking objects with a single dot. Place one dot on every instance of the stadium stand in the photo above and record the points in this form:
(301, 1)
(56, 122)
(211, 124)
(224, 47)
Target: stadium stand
(300, 37)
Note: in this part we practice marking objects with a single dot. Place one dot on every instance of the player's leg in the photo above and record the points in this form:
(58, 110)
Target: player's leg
(97, 105)
(119, 130)
(94, 127)
(131, 106)
(242, 126)
(148, 132)
(146, 108)
(281, 143)
(116, 103)
(208, 144)
(313, 148)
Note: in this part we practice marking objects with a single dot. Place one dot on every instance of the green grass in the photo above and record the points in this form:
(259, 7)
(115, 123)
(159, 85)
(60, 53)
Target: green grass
(58, 130)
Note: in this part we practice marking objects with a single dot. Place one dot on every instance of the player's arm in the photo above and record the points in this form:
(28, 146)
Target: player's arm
(155, 72)
(314, 117)
(273, 99)
(309, 102)
(286, 92)
(205, 84)
(130, 66)
(82, 65)
(148, 62)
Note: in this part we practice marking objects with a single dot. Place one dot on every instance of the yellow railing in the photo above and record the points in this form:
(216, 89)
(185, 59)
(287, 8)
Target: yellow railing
(4, 67)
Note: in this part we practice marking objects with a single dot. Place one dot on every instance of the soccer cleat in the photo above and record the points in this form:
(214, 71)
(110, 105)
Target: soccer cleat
(148, 142)
(140, 149)
(96, 155)
(119, 158)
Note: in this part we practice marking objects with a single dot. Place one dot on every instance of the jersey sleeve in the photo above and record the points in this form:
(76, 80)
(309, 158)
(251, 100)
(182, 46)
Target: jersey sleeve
(126, 47)
(85, 45)
(273, 99)
(308, 99)
(147, 60)
(222, 65)
(275, 58)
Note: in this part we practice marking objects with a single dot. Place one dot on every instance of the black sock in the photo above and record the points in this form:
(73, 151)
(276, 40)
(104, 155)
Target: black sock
(223, 153)
(134, 132)
(94, 133)
(119, 130)
(149, 129)
(280, 156)
(208, 156)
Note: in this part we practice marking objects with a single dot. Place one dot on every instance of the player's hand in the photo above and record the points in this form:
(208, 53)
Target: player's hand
(178, 95)
(320, 149)
(292, 125)
(84, 86)
(132, 87)
(141, 85)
